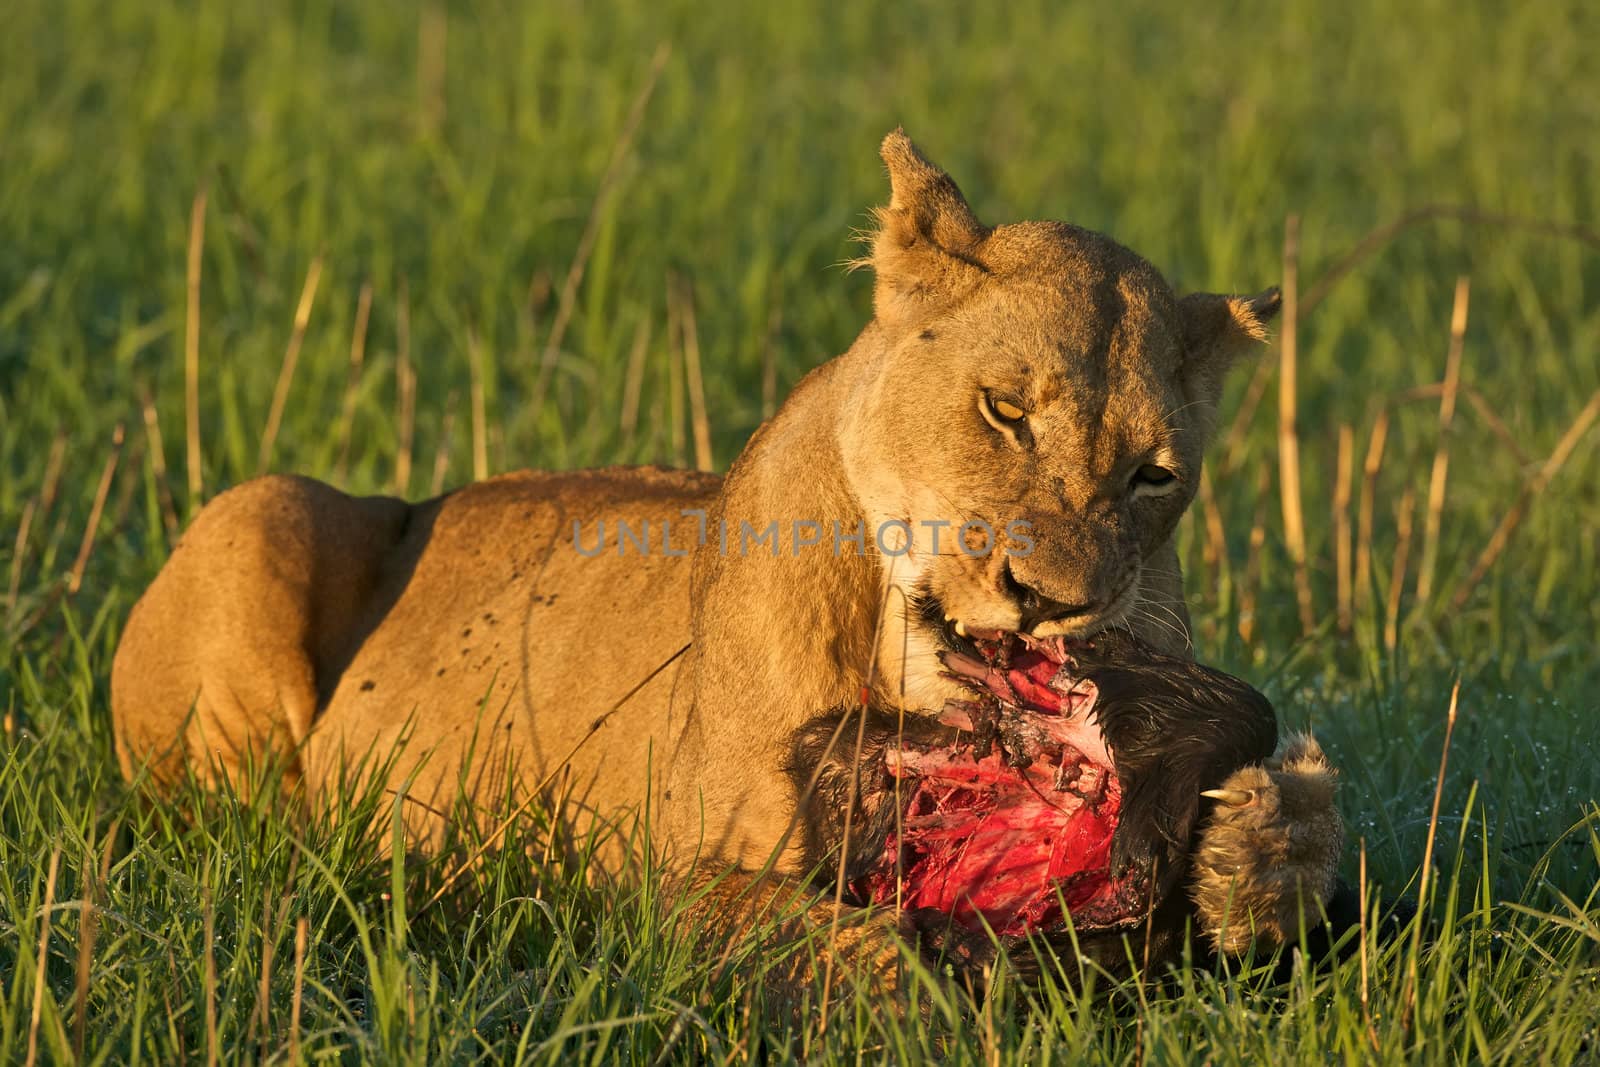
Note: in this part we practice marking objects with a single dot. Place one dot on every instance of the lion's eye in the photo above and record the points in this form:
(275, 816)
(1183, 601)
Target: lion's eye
(1008, 411)
(1007, 416)
(1153, 476)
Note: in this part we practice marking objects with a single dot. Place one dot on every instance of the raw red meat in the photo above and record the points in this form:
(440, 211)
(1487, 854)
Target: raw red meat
(1016, 819)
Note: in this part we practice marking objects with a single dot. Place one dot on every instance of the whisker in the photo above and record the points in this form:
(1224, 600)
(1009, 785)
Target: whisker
(1181, 408)
(1176, 626)
(1156, 620)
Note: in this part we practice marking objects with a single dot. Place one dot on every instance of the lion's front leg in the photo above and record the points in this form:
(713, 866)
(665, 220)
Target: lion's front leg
(843, 814)
(848, 945)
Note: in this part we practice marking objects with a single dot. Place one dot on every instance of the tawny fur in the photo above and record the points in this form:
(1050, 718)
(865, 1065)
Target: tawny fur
(1263, 859)
(298, 621)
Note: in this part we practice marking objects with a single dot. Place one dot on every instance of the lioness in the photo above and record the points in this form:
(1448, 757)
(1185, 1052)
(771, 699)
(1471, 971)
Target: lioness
(1006, 448)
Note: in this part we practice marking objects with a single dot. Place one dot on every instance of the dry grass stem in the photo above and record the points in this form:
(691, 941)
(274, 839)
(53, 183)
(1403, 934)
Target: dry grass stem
(1239, 429)
(258, 1017)
(633, 382)
(1294, 529)
(1397, 574)
(591, 227)
(173, 1014)
(696, 382)
(406, 392)
(302, 930)
(158, 463)
(1364, 510)
(42, 958)
(675, 374)
(358, 357)
(127, 486)
(1531, 491)
(433, 32)
(1343, 472)
(441, 455)
(191, 352)
(1408, 998)
(539, 792)
(769, 363)
(1251, 582)
(291, 358)
(475, 399)
(1366, 963)
(552, 829)
(1501, 431)
(88, 927)
(86, 546)
(18, 550)
(87, 923)
(1376, 239)
(53, 467)
(1480, 408)
(1215, 546)
(208, 925)
(1434, 517)
(852, 801)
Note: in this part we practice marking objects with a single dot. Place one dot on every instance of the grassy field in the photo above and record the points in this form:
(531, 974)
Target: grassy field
(465, 181)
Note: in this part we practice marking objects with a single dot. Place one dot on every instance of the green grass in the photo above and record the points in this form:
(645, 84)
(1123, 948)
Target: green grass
(463, 191)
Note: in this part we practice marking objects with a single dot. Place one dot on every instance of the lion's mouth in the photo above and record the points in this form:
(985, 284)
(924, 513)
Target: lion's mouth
(1012, 824)
(958, 636)
(954, 635)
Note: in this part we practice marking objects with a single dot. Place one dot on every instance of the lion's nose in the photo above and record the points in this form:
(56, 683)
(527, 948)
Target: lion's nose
(1034, 606)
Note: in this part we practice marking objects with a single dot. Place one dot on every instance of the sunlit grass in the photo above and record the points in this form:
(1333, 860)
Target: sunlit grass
(450, 157)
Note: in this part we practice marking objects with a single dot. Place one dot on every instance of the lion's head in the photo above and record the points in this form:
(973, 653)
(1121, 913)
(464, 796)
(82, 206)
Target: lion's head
(1039, 382)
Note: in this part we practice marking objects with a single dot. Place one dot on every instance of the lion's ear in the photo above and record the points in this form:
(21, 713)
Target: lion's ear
(924, 250)
(1217, 330)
